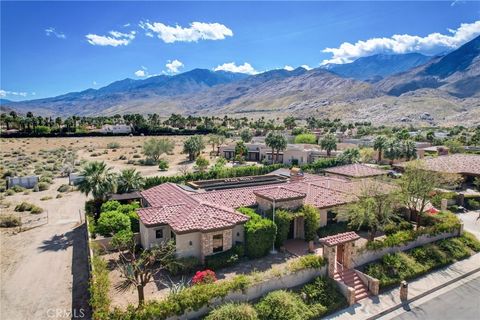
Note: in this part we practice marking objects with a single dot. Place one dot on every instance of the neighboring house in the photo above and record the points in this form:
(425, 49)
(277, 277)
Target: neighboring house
(432, 151)
(355, 170)
(297, 154)
(116, 128)
(26, 182)
(205, 222)
(75, 178)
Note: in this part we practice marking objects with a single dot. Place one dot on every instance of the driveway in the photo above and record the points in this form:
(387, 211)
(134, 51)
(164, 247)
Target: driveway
(471, 222)
(44, 271)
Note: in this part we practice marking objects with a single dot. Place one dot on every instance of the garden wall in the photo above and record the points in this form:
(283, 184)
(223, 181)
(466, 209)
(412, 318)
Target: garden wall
(363, 256)
(104, 243)
(258, 290)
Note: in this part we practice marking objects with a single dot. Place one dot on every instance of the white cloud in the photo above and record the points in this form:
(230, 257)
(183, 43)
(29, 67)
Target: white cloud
(141, 73)
(173, 66)
(288, 68)
(196, 31)
(52, 32)
(114, 39)
(404, 43)
(232, 67)
(306, 67)
(5, 93)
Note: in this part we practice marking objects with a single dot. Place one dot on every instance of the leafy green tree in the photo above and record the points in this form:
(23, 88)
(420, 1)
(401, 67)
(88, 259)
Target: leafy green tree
(202, 163)
(111, 222)
(246, 135)
(241, 151)
(98, 180)
(312, 221)
(193, 146)
(328, 143)
(306, 138)
(137, 270)
(215, 140)
(351, 155)
(374, 210)
(277, 142)
(129, 180)
(430, 136)
(393, 149)
(154, 148)
(454, 146)
(289, 122)
(379, 145)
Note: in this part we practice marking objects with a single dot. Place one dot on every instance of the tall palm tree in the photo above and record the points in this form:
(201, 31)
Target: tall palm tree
(277, 142)
(98, 180)
(409, 150)
(379, 144)
(129, 180)
(393, 149)
(329, 143)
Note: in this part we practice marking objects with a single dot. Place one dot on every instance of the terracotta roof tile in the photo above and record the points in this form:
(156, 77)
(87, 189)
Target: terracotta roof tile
(356, 170)
(455, 163)
(279, 193)
(340, 238)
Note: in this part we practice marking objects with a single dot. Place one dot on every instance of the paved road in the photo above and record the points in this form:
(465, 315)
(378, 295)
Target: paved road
(460, 303)
(471, 222)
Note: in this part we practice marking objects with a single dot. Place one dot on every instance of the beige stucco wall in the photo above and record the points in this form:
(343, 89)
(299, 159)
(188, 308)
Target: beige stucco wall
(147, 235)
(238, 233)
(183, 246)
(323, 217)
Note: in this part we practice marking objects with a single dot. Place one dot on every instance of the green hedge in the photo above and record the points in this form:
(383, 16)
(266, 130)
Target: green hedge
(393, 268)
(213, 174)
(283, 305)
(99, 287)
(320, 164)
(225, 258)
(259, 234)
(233, 311)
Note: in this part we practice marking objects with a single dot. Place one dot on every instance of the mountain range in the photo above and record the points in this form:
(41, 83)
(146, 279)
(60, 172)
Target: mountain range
(384, 89)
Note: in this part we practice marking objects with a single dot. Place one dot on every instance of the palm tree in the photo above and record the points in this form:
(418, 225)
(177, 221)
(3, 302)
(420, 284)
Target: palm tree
(98, 180)
(409, 150)
(329, 143)
(393, 149)
(379, 144)
(129, 180)
(276, 142)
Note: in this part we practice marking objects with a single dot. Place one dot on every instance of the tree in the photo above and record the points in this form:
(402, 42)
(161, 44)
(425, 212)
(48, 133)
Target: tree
(214, 140)
(430, 136)
(312, 221)
(289, 122)
(276, 142)
(454, 146)
(409, 150)
(306, 138)
(154, 148)
(129, 180)
(246, 135)
(379, 145)
(193, 146)
(241, 151)
(137, 270)
(374, 210)
(416, 187)
(98, 180)
(202, 163)
(402, 134)
(351, 155)
(111, 222)
(393, 149)
(328, 143)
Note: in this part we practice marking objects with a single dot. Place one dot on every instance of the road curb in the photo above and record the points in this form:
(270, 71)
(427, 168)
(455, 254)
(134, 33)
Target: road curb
(423, 294)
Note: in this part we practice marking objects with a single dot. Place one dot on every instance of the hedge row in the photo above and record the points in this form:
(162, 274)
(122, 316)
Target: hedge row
(99, 287)
(213, 174)
(393, 268)
(259, 234)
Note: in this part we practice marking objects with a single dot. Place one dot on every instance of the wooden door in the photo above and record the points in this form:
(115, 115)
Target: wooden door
(340, 250)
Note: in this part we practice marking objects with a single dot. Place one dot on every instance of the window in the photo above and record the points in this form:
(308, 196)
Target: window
(159, 233)
(218, 243)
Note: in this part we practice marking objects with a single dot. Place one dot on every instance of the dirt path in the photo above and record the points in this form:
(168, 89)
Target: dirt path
(44, 271)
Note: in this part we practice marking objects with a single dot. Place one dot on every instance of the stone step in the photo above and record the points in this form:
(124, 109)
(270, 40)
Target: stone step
(361, 296)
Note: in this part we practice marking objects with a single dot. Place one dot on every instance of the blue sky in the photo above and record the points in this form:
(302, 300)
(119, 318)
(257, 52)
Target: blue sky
(50, 48)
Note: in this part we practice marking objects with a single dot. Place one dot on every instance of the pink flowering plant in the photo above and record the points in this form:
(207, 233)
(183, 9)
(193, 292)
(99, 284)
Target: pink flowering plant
(203, 277)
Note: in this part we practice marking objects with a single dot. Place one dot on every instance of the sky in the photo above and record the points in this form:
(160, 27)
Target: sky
(51, 48)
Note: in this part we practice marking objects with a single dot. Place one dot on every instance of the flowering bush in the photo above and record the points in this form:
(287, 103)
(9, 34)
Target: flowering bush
(202, 277)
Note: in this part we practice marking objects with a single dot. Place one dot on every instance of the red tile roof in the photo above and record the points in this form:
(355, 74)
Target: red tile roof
(455, 163)
(356, 170)
(340, 238)
(279, 194)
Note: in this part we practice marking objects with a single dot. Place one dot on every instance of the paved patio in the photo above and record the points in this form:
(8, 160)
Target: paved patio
(299, 247)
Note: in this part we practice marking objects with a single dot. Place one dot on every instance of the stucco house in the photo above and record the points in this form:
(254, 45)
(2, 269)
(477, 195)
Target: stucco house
(206, 222)
(116, 128)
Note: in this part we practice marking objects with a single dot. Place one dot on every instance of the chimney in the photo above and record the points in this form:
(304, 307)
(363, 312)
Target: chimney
(296, 175)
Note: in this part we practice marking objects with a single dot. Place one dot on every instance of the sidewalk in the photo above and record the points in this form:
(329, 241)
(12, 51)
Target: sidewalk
(387, 301)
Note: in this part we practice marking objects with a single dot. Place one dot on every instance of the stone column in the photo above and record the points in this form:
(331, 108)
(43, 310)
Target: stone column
(350, 296)
(444, 204)
(374, 286)
(227, 239)
(404, 290)
(330, 253)
(205, 246)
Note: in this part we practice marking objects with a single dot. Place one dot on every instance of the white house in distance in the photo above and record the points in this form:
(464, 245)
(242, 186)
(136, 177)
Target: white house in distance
(116, 128)
(202, 222)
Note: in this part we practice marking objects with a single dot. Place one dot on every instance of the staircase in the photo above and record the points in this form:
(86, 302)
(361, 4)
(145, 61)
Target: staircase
(351, 279)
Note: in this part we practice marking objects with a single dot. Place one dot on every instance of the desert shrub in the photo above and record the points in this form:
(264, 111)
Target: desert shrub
(9, 192)
(325, 292)
(430, 256)
(233, 311)
(306, 138)
(113, 145)
(17, 188)
(148, 162)
(46, 198)
(111, 222)
(225, 258)
(184, 266)
(282, 305)
(36, 210)
(454, 247)
(9, 221)
(59, 196)
(162, 164)
(64, 188)
(42, 186)
(136, 156)
(309, 261)
(24, 206)
(392, 228)
(259, 234)
(122, 157)
(470, 241)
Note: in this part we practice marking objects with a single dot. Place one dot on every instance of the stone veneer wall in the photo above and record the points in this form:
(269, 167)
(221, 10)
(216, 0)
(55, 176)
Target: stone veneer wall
(207, 242)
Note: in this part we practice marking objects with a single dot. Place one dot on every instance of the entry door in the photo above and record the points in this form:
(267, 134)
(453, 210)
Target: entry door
(340, 249)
